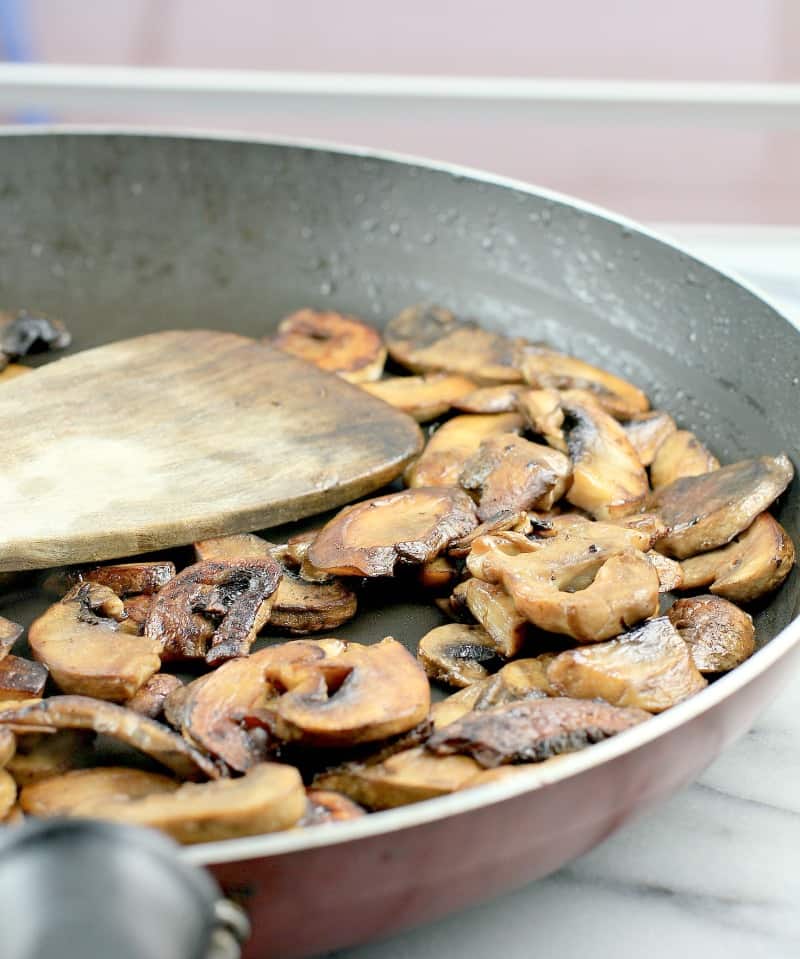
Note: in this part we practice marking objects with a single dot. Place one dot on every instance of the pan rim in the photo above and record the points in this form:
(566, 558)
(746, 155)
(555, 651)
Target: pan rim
(570, 765)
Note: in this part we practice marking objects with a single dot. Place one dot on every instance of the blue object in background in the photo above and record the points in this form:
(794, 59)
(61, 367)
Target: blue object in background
(16, 45)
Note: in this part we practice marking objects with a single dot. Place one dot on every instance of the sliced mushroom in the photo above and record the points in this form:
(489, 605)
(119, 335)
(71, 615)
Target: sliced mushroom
(44, 755)
(231, 549)
(681, 454)
(491, 399)
(268, 798)
(720, 636)
(429, 338)
(423, 397)
(21, 679)
(647, 432)
(531, 730)
(136, 610)
(213, 609)
(12, 371)
(543, 414)
(502, 520)
(333, 342)
(511, 473)
(607, 479)
(406, 777)
(438, 575)
(448, 450)
(31, 333)
(547, 369)
(457, 655)
(494, 609)
(361, 694)
(8, 746)
(79, 641)
(8, 793)
(670, 572)
(128, 578)
(413, 526)
(755, 563)
(70, 793)
(149, 699)
(326, 806)
(81, 712)
(650, 668)
(9, 633)
(706, 511)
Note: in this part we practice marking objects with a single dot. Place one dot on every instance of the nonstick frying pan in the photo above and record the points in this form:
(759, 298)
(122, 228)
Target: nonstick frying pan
(127, 233)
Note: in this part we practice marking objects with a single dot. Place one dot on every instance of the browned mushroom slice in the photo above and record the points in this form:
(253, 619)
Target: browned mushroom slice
(423, 397)
(8, 793)
(681, 454)
(230, 549)
(543, 414)
(457, 655)
(21, 679)
(448, 450)
(81, 712)
(333, 342)
(82, 646)
(12, 371)
(361, 694)
(127, 578)
(136, 609)
(532, 730)
(269, 798)
(438, 575)
(213, 609)
(42, 755)
(511, 473)
(406, 777)
(68, 794)
(707, 511)
(429, 338)
(10, 632)
(8, 746)
(755, 563)
(720, 636)
(650, 668)
(607, 479)
(494, 609)
(31, 333)
(412, 526)
(504, 519)
(491, 399)
(547, 369)
(326, 806)
(670, 572)
(149, 699)
(646, 433)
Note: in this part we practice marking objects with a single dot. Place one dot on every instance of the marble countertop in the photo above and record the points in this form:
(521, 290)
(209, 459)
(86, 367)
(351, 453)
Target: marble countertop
(715, 871)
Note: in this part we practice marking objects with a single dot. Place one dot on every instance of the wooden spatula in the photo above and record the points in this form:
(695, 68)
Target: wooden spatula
(167, 438)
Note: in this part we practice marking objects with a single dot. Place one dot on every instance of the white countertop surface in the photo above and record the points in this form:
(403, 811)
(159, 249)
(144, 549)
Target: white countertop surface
(715, 871)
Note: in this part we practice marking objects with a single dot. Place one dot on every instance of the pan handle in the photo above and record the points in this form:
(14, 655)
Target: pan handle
(82, 889)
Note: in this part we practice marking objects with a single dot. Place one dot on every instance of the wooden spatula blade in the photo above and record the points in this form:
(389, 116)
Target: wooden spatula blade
(170, 437)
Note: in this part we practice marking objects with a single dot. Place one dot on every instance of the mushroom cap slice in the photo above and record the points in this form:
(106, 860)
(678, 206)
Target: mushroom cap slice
(681, 454)
(8, 746)
(268, 798)
(67, 794)
(491, 399)
(546, 369)
(361, 694)
(438, 574)
(21, 679)
(650, 668)
(128, 578)
(149, 699)
(607, 478)
(334, 342)
(406, 777)
(532, 730)
(86, 652)
(81, 712)
(414, 526)
(543, 414)
(456, 654)
(426, 339)
(326, 806)
(511, 473)
(496, 612)
(447, 451)
(213, 609)
(423, 397)
(8, 793)
(10, 632)
(706, 511)
(44, 755)
(231, 549)
(755, 563)
(647, 431)
(502, 520)
(670, 571)
(720, 636)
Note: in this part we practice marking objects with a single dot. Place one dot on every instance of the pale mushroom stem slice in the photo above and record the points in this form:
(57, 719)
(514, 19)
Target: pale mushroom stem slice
(532, 730)
(268, 798)
(754, 564)
(422, 397)
(326, 806)
(543, 414)
(670, 572)
(340, 344)
(720, 636)
(497, 613)
(681, 454)
(67, 794)
(647, 432)
(10, 632)
(649, 668)
(457, 655)
(146, 735)
(412, 526)
(705, 512)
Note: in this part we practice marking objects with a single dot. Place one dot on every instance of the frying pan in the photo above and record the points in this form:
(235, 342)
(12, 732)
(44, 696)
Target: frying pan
(126, 233)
